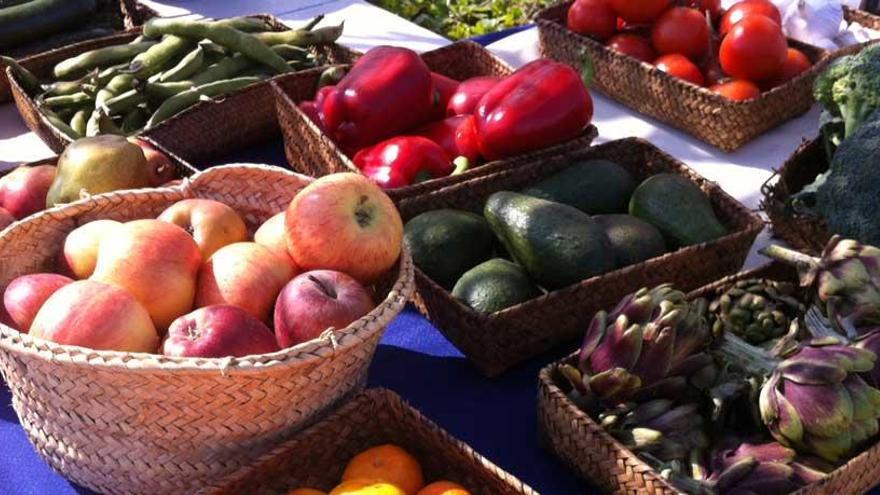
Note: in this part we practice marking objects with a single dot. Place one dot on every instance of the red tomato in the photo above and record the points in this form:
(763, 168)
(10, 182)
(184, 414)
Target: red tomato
(737, 90)
(639, 11)
(679, 66)
(754, 49)
(593, 18)
(633, 45)
(746, 8)
(681, 30)
(795, 63)
(713, 7)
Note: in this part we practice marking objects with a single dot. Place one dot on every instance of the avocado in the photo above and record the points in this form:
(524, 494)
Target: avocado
(634, 240)
(446, 243)
(557, 244)
(494, 285)
(592, 186)
(678, 208)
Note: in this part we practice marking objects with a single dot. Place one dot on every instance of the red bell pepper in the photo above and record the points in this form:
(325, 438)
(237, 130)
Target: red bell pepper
(444, 88)
(387, 91)
(541, 104)
(468, 95)
(312, 109)
(456, 135)
(402, 161)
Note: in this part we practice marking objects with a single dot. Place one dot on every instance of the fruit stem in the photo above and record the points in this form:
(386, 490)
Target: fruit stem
(462, 164)
(802, 261)
(753, 360)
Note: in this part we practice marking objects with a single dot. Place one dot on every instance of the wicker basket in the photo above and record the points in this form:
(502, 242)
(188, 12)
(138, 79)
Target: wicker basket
(804, 232)
(500, 340)
(593, 454)
(131, 12)
(207, 130)
(126, 423)
(372, 418)
(310, 151)
(707, 116)
(865, 19)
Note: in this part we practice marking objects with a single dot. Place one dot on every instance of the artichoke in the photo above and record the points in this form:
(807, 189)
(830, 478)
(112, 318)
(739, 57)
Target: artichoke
(846, 282)
(758, 468)
(651, 345)
(756, 310)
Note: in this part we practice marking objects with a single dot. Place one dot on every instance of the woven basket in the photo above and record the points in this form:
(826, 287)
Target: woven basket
(132, 14)
(804, 232)
(500, 340)
(586, 448)
(707, 116)
(126, 423)
(206, 130)
(317, 456)
(865, 19)
(311, 152)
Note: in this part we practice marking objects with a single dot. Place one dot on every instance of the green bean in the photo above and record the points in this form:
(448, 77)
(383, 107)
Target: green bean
(102, 57)
(124, 102)
(190, 64)
(331, 76)
(78, 122)
(66, 101)
(245, 23)
(66, 113)
(100, 123)
(28, 80)
(311, 24)
(163, 91)
(61, 88)
(59, 124)
(291, 52)
(118, 84)
(180, 102)
(155, 60)
(133, 121)
(224, 36)
(226, 68)
(299, 37)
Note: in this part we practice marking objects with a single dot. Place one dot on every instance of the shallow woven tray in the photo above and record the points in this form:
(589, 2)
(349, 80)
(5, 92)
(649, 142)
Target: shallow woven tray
(803, 232)
(865, 19)
(312, 152)
(131, 423)
(586, 448)
(131, 12)
(316, 457)
(204, 131)
(707, 116)
(498, 341)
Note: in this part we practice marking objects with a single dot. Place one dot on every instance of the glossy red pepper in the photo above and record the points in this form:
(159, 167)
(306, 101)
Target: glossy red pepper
(541, 104)
(402, 161)
(468, 95)
(312, 109)
(456, 135)
(388, 91)
(444, 88)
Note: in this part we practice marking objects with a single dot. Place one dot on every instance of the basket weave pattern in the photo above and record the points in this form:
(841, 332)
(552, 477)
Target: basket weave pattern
(712, 118)
(141, 423)
(372, 418)
(595, 455)
(498, 341)
(312, 152)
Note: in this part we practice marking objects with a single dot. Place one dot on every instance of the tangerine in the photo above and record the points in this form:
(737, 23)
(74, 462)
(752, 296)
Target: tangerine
(444, 488)
(306, 491)
(360, 486)
(388, 463)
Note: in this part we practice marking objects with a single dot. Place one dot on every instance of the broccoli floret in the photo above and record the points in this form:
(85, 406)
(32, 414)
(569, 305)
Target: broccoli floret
(857, 93)
(825, 81)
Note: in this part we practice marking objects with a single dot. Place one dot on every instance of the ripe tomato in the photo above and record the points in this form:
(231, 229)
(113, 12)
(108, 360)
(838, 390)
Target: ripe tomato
(633, 45)
(593, 18)
(754, 49)
(795, 63)
(746, 8)
(679, 66)
(639, 11)
(681, 30)
(737, 90)
(713, 7)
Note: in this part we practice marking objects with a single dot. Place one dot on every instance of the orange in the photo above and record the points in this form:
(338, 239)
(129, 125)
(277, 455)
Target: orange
(444, 488)
(359, 486)
(306, 491)
(388, 463)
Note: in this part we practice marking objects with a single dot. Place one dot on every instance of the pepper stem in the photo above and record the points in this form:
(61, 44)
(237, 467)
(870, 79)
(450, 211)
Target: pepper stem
(753, 360)
(462, 165)
(803, 262)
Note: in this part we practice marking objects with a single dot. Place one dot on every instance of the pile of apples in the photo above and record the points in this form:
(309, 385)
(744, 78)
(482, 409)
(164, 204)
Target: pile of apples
(736, 53)
(192, 283)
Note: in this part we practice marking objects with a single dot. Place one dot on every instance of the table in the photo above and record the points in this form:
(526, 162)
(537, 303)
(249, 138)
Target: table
(496, 417)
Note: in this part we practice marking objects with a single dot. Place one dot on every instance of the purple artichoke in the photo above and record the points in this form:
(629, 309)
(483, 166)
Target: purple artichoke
(759, 469)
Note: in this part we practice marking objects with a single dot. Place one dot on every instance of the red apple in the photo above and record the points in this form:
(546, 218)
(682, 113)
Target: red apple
(344, 222)
(26, 294)
(23, 191)
(98, 316)
(80, 252)
(6, 218)
(157, 262)
(211, 223)
(162, 169)
(271, 234)
(244, 274)
(218, 331)
(315, 301)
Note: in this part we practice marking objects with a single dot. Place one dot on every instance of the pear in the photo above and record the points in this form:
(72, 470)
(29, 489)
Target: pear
(95, 165)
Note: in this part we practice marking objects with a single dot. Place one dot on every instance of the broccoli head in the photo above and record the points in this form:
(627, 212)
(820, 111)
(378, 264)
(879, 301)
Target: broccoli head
(825, 81)
(857, 93)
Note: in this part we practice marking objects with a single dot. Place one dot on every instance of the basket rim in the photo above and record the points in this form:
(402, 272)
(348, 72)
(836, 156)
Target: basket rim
(13, 341)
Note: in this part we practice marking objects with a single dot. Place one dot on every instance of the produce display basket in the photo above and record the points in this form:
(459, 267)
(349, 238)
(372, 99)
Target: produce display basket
(204, 131)
(707, 116)
(500, 340)
(863, 18)
(131, 14)
(805, 232)
(312, 152)
(585, 447)
(372, 418)
(133, 423)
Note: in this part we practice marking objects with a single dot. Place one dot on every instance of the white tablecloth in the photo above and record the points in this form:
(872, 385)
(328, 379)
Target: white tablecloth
(741, 173)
